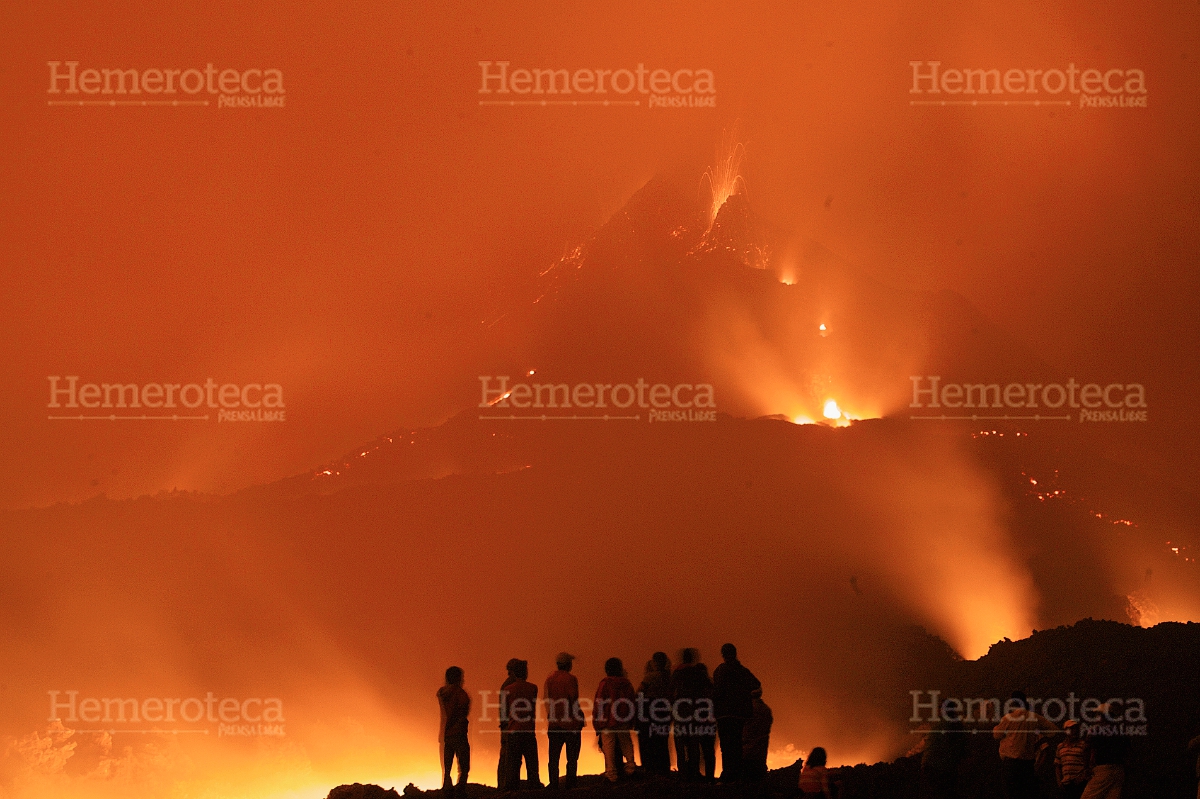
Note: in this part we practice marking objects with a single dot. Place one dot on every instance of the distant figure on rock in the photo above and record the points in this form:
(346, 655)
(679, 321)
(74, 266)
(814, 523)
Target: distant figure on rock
(756, 739)
(612, 716)
(1020, 734)
(654, 715)
(502, 768)
(518, 708)
(733, 684)
(814, 777)
(1107, 758)
(455, 704)
(564, 719)
(695, 724)
(1071, 762)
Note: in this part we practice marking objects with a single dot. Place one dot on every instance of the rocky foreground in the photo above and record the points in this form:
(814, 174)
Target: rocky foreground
(1160, 665)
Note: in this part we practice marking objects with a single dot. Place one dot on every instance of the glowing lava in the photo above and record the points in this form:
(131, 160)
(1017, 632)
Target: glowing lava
(725, 178)
(832, 411)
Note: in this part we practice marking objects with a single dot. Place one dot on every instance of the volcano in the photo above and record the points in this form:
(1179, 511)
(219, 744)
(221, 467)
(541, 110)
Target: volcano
(848, 563)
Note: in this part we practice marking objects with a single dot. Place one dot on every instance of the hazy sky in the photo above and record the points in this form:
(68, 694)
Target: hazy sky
(347, 245)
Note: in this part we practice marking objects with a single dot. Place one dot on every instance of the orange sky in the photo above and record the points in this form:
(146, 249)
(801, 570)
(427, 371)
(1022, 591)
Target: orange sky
(383, 206)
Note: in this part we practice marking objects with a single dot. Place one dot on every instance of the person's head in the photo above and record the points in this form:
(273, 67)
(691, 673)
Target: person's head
(1071, 727)
(454, 676)
(512, 665)
(521, 669)
(1018, 700)
(661, 662)
(564, 661)
(816, 757)
(689, 656)
(613, 667)
(729, 652)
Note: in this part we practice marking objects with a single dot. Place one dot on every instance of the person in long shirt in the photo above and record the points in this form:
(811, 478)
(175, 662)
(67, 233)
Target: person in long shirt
(695, 726)
(1020, 733)
(733, 685)
(564, 719)
(518, 706)
(612, 717)
(455, 704)
(502, 768)
(654, 715)
(756, 739)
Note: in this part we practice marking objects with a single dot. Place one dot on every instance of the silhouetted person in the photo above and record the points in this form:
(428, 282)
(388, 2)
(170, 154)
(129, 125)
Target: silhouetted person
(1020, 733)
(455, 704)
(612, 716)
(1108, 763)
(944, 749)
(756, 738)
(564, 719)
(518, 705)
(732, 685)
(502, 767)
(814, 776)
(654, 715)
(1071, 762)
(695, 725)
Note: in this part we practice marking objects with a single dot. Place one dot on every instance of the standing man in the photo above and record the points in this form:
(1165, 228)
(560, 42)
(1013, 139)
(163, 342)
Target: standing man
(455, 704)
(502, 768)
(733, 686)
(518, 709)
(564, 719)
(1108, 753)
(1071, 762)
(1020, 733)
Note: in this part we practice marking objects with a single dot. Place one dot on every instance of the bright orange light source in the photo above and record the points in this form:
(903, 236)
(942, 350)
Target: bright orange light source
(832, 411)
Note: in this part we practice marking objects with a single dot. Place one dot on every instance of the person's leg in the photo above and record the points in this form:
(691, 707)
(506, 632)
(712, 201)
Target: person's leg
(608, 745)
(447, 762)
(691, 752)
(656, 755)
(574, 741)
(531, 759)
(708, 751)
(502, 763)
(464, 761)
(512, 771)
(681, 755)
(625, 737)
(730, 731)
(556, 740)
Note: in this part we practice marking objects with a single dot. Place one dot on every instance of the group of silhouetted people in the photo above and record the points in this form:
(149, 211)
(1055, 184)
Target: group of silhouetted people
(683, 703)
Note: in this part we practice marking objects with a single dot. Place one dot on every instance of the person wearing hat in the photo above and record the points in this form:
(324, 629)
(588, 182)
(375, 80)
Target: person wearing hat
(564, 719)
(1070, 762)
